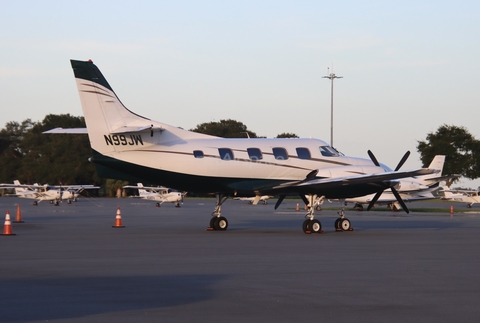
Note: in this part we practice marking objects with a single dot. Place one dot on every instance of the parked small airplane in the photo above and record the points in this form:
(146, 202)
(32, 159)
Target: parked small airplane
(130, 147)
(464, 196)
(410, 189)
(160, 194)
(52, 193)
(254, 199)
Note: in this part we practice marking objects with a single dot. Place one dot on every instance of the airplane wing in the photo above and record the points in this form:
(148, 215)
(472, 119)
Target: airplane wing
(322, 186)
(73, 187)
(149, 188)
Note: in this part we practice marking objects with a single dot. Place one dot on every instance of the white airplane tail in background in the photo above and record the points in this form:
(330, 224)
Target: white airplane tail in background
(19, 190)
(437, 163)
(141, 191)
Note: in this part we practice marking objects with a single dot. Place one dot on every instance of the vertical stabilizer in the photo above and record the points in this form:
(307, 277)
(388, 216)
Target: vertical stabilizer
(18, 190)
(437, 164)
(103, 111)
(141, 191)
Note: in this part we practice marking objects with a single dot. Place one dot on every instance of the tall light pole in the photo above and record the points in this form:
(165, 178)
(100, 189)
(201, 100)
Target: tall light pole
(331, 76)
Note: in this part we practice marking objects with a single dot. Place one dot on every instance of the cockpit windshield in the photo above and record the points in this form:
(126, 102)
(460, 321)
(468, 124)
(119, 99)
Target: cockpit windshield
(329, 151)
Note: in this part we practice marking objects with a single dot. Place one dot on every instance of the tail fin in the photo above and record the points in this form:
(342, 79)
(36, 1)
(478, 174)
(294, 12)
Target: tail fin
(104, 113)
(111, 126)
(141, 191)
(18, 190)
(437, 163)
(432, 179)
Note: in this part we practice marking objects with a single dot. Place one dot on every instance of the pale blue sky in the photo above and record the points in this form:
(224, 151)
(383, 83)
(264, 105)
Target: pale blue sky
(408, 67)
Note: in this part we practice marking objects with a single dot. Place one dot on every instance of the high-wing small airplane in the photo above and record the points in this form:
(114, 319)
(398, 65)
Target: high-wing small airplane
(411, 189)
(130, 147)
(52, 193)
(254, 199)
(160, 194)
(464, 196)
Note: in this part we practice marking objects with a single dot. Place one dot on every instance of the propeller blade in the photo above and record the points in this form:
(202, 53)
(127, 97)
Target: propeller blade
(372, 157)
(280, 200)
(399, 199)
(374, 200)
(403, 160)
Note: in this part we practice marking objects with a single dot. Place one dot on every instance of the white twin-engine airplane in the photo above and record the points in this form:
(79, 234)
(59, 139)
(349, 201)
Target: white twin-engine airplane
(160, 194)
(131, 147)
(52, 193)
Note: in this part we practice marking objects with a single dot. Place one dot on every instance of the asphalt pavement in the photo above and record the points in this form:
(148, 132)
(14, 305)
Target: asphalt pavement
(67, 264)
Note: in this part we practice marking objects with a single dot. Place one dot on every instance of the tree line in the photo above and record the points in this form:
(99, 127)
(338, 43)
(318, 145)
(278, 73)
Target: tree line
(33, 157)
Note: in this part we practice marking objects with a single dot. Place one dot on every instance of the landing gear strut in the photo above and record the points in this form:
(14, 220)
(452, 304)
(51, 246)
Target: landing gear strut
(311, 225)
(342, 223)
(218, 222)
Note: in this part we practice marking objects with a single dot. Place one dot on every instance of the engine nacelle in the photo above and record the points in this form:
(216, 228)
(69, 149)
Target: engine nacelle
(406, 186)
(347, 171)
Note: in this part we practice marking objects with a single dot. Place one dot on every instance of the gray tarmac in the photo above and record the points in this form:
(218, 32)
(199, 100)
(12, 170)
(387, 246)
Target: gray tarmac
(67, 264)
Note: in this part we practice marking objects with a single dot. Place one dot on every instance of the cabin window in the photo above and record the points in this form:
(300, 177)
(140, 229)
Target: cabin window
(198, 154)
(303, 153)
(254, 153)
(328, 151)
(280, 153)
(225, 153)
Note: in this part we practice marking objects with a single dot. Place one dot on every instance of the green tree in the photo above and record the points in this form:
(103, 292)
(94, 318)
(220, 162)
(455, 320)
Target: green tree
(461, 149)
(47, 158)
(287, 135)
(114, 188)
(11, 160)
(225, 128)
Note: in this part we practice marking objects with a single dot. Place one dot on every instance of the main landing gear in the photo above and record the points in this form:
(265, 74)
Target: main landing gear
(342, 223)
(218, 222)
(311, 225)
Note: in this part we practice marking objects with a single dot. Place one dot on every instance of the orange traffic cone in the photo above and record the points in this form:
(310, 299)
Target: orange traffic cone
(7, 228)
(118, 220)
(298, 207)
(18, 216)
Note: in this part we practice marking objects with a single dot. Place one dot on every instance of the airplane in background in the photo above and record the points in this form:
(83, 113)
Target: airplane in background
(160, 194)
(52, 193)
(410, 189)
(254, 199)
(463, 196)
(130, 147)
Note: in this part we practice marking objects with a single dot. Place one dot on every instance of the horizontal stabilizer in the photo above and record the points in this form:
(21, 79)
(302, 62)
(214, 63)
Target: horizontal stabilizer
(135, 129)
(68, 131)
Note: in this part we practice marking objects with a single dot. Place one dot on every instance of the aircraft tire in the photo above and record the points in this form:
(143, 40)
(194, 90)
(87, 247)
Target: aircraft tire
(306, 225)
(344, 224)
(212, 222)
(220, 223)
(337, 223)
(315, 226)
